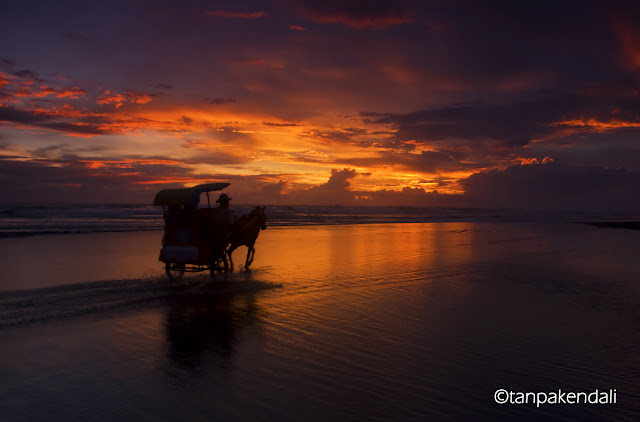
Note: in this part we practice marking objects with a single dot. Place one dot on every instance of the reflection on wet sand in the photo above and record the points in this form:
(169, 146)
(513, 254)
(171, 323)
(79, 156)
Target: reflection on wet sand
(379, 322)
(206, 326)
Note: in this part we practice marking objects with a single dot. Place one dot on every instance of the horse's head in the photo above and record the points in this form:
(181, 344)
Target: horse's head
(261, 217)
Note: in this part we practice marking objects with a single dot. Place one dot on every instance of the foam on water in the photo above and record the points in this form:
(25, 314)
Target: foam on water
(22, 307)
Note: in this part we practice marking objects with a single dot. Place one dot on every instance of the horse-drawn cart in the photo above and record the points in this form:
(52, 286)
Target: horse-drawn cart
(195, 239)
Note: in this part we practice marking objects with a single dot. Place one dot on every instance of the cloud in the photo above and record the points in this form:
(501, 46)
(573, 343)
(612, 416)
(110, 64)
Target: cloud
(424, 161)
(334, 191)
(338, 191)
(162, 86)
(138, 97)
(258, 191)
(514, 124)
(235, 15)
(280, 124)
(42, 181)
(26, 85)
(16, 115)
(50, 120)
(345, 135)
(555, 186)
(511, 124)
(83, 123)
(218, 101)
(4, 80)
(26, 73)
(128, 96)
(358, 14)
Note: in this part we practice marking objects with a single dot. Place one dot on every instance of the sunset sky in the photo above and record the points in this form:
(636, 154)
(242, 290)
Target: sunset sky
(501, 103)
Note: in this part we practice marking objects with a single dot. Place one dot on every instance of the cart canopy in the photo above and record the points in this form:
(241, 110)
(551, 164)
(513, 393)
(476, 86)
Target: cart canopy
(186, 196)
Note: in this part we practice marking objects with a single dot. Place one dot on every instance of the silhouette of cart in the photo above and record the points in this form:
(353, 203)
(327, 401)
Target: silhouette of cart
(194, 239)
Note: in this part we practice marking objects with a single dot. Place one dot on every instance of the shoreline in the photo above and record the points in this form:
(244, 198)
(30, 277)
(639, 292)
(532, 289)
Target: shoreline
(630, 225)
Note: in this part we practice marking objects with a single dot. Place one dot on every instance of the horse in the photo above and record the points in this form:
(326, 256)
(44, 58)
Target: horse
(245, 232)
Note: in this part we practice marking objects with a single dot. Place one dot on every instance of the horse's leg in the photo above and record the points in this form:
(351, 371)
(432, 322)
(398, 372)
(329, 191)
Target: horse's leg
(249, 260)
(229, 252)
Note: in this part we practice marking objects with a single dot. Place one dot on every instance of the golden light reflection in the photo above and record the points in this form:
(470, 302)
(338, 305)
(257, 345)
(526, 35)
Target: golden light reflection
(351, 253)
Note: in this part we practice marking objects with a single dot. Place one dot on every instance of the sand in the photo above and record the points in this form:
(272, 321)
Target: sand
(358, 322)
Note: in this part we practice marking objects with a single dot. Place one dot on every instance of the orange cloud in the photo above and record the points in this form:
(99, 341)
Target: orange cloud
(534, 160)
(596, 125)
(138, 98)
(108, 98)
(70, 92)
(26, 89)
(4, 80)
(118, 100)
(125, 163)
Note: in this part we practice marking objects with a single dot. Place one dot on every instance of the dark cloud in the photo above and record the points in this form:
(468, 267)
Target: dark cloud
(26, 73)
(337, 191)
(513, 124)
(345, 135)
(75, 128)
(267, 193)
(555, 186)
(280, 124)
(162, 86)
(86, 180)
(334, 191)
(217, 101)
(87, 126)
(339, 180)
(16, 115)
(48, 151)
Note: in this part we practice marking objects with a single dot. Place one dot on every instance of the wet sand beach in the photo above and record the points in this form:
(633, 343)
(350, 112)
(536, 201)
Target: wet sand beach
(352, 322)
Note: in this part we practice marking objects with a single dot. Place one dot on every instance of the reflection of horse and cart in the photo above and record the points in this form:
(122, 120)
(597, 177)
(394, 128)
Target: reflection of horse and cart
(200, 239)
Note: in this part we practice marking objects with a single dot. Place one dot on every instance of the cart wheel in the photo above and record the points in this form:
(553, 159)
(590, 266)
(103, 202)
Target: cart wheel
(174, 271)
(218, 266)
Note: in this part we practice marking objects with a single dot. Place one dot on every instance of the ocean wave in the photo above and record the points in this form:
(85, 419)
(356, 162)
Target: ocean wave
(20, 221)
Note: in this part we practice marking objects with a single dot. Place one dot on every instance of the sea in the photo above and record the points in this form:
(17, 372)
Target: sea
(346, 314)
(44, 219)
